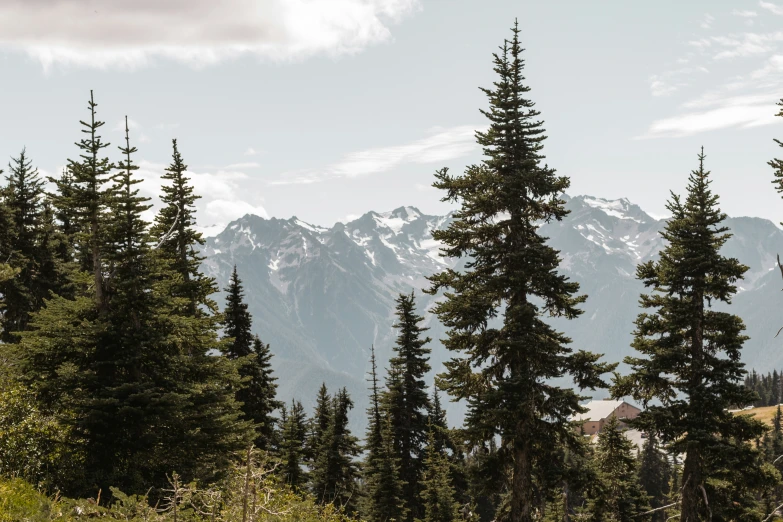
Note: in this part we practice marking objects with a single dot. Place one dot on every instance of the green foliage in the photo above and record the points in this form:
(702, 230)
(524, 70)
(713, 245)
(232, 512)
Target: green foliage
(250, 492)
(237, 322)
(374, 469)
(505, 373)
(769, 388)
(334, 471)
(405, 399)
(292, 445)
(690, 361)
(32, 443)
(438, 495)
(617, 495)
(258, 389)
(655, 475)
(174, 228)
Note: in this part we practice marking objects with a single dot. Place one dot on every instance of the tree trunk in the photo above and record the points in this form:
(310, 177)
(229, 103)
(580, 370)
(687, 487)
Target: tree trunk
(522, 484)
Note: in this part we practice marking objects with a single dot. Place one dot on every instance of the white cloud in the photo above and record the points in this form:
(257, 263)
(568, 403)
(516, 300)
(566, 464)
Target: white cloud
(744, 13)
(741, 111)
(443, 145)
(746, 44)
(245, 165)
(706, 22)
(250, 151)
(133, 33)
(658, 87)
(223, 198)
(772, 8)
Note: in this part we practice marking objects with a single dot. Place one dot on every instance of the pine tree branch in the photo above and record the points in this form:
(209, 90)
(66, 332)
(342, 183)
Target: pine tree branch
(658, 509)
(168, 235)
(774, 512)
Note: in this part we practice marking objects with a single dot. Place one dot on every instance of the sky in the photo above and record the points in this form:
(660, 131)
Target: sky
(326, 109)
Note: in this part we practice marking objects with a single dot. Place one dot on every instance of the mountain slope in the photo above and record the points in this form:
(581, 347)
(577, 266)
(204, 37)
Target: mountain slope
(323, 296)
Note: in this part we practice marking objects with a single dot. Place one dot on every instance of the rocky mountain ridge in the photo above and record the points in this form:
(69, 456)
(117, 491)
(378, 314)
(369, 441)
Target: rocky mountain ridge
(323, 296)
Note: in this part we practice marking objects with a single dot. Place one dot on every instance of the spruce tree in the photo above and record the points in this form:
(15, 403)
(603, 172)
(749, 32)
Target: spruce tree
(383, 493)
(690, 360)
(258, 389)
(25, 292)
(319, 425)
(617, 496)
(90, 199)
(65, 213)
(174, 227)
(292, 445)
(335, 472)
(406, 399)
(654, 475)
(438, 494)
(237, 321)
(505, 371)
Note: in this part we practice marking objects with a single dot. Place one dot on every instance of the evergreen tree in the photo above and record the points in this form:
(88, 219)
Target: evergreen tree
(175, 229)
(438, 494)
(691, 360)
(25, 292)
(129, 373)
(65, 214)
(406, 399)
(334, 472)
(383, 493)
(618, 496)
(237, 321)
(445, 441)
(506, 372)
(257, 392)
(292, 445)
(90, 200)
(654, 475)
(319, 426)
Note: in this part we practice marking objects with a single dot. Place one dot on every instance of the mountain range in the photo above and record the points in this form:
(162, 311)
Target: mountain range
(322, 297)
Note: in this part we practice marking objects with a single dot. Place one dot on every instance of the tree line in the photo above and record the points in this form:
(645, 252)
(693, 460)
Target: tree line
(120, 368)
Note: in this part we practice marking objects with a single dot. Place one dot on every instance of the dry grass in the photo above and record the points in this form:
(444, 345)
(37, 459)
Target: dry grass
(765, 413)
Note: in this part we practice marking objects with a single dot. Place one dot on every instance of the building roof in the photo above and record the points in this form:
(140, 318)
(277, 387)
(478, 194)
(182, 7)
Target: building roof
(597, 410)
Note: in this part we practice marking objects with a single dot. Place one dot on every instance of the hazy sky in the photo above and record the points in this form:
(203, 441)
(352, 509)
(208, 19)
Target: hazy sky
(326, 109)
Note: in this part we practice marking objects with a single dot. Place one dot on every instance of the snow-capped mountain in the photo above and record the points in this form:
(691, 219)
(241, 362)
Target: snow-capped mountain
(323, 296)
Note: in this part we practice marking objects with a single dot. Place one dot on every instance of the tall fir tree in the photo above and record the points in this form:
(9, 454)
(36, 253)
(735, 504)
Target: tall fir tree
(383, 488)
(261, 392)
(690, 360)
(335, 472)
(90, 200)
(617, 495)
(506, 372)
(174, 227)
(655, 475)
(292, 445)
(24, 200)
(237, 321)
(258, 389)
(319, 424)
(407, 401)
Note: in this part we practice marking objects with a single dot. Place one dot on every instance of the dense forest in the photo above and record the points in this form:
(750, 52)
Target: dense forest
(128, 393)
